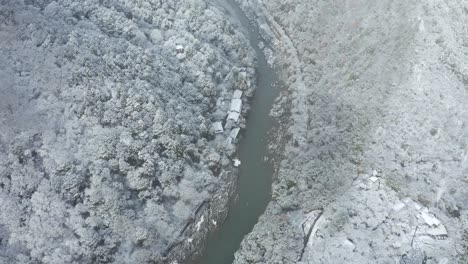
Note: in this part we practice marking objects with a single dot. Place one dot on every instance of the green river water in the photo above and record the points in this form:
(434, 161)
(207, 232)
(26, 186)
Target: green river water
(254, 188)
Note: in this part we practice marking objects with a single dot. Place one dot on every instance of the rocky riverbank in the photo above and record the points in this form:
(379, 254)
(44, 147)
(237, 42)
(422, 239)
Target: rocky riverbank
(376, 156)
(111, 149)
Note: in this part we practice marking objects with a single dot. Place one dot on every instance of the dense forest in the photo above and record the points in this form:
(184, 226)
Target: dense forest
(107, 108)
(375, 160)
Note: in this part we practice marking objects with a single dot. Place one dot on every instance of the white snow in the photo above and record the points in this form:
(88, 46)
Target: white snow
(202, 219)
(156, 36)
(437, 231)
(218, 127)
(234, 133)
(373, 179)
(309, 220)
(410, 203)
(237, 162)
(181, 56)
(219, 102)
(236, 105)
(430, 219)
(348, 244)
(228, 142)
(179, 48)
(444, 261)
(233, 116)
(398, 206)
(237, 94)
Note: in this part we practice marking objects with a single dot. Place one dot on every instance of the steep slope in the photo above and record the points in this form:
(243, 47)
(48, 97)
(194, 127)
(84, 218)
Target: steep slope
(107, 150)
(376, 158)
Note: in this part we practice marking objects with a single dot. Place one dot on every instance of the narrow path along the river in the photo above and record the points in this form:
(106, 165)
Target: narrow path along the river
(254, 189)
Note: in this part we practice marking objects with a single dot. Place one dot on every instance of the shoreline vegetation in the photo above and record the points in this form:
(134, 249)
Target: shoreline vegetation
(120, 124)
(109, 152)
(374, 161)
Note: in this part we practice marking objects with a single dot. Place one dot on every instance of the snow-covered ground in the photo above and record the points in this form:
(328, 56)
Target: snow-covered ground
(115, 139)
(377, 134)
(108, 152)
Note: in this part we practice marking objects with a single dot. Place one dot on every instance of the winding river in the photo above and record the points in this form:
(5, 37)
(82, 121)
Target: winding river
(255, 179)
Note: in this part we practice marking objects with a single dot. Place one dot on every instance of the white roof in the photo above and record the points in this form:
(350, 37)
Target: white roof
(237, 94)
(233, 116)
(180, 48)
(228, 141)
(398, 206)
(236, 105)
(218, 127)
(430, 219)
(237, 162)
(234, 133)
(228, 124)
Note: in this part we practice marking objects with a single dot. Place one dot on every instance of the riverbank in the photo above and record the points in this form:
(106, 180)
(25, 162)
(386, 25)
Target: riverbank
(119, 123)
(374, 167)
(253, 190)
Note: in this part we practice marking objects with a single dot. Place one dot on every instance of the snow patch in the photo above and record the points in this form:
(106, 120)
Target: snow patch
(202, 219)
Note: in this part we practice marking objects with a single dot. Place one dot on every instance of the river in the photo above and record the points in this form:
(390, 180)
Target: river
(255, 178)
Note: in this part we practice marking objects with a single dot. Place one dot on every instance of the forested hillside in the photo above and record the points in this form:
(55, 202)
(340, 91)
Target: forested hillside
(106, 137)
(376, 157)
